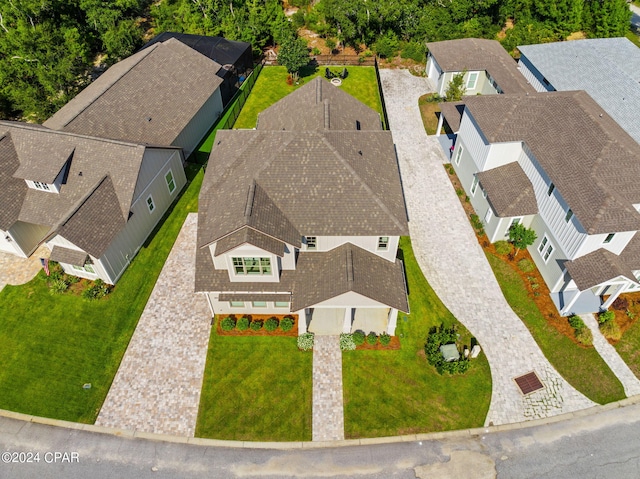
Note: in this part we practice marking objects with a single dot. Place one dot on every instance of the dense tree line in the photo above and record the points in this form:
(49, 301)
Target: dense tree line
(48, 47)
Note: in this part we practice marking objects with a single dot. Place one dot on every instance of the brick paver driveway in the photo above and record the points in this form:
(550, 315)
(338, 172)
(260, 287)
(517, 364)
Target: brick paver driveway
(16, 270)
(455, 266)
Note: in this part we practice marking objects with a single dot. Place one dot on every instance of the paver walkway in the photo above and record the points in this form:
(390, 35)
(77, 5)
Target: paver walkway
(629, 380)
(16, 270)
(157, 387)
(328, 415)
(456, 267)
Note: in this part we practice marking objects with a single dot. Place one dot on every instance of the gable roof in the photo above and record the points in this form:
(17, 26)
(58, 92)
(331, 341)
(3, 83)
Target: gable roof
(478, 54)
(596, 268)
(147, 98)
(608, 69)
(509, 191)
(68, 256)
(319, 105)
(590, 159)
(250, 236)
(323, 183)
(13, 190)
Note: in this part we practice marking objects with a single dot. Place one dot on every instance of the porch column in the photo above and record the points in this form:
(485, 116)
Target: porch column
(346, 325)
(567, 308)
(614, 296)
(393, 320)
(302, 321)
(440, 122)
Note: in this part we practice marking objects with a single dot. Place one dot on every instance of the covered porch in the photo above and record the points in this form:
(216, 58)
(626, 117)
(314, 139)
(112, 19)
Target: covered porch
(334, 321)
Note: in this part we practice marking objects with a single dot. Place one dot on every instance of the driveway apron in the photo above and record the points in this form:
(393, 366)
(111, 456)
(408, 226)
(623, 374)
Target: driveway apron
(157, 387)
(456, 267)
(15, 270)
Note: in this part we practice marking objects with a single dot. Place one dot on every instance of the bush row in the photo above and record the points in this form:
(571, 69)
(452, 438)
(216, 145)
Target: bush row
(583, 334)
(59, 283)
(270, 325)
(349, 341)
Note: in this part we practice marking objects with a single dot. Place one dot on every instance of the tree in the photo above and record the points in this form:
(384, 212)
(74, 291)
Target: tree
(456, 88)
(521, 236)
(293, 54)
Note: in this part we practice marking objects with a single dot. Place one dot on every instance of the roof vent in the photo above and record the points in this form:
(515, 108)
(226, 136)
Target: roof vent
(600, 115)
(80, 173)
(360, 152)
(148, 118)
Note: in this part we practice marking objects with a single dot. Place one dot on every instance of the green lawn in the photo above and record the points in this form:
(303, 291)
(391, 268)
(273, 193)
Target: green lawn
(582, 367)
(629, 348)
(256, 388)
(397, 392)
(633, 37)
(271, 86)
(52, 345)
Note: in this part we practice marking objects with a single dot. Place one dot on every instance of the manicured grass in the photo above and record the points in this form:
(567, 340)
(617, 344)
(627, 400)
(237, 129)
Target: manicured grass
(256, 388)
(271, 86)
(52, 345)
(582, 367)
(397, 392)
(629, 347)
(428, 110)
(633, 37)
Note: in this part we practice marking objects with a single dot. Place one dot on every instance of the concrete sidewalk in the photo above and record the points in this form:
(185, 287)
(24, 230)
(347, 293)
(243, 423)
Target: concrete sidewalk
(456, 267)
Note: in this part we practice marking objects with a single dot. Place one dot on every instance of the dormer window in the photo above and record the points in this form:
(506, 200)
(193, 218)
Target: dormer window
(39, 185)
(251, 266)
(569, 215)
(383, 243)
(312, 242)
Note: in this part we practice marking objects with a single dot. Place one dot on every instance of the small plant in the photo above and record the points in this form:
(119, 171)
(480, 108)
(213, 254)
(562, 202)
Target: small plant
(459, 192)
(96, 290)
(385, 339)
(476, 222)
(526, 265)
(346, 342)
(521, 236)
(228, 323)
(631, 314)
(606, 316)
(71, 279)
(305, 341)
(576, 322)
(535, 285)
(315, 51)
(271, 324)
(358, 338)
(242, 324)
(503, 247)
(58, 286)
(256, 325)
(286, 323)
(450, 170)
(611, 330)
(584, 337)
(372, 338)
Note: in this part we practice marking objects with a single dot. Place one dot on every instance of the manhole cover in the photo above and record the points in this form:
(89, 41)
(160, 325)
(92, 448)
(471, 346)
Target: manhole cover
(529, 383)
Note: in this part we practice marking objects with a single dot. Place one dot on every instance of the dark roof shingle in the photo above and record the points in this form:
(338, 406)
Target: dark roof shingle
(596, 268)
(68, 256)
(509, 191)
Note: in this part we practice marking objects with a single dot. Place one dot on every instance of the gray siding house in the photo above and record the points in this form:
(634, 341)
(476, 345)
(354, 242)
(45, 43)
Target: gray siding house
(303, 215)
(92, 200)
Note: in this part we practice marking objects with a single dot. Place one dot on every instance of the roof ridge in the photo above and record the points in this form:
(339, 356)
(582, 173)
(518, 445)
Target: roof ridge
(363, 183)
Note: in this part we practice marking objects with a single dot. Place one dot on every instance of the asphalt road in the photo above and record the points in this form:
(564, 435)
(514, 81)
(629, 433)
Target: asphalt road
(603, 445)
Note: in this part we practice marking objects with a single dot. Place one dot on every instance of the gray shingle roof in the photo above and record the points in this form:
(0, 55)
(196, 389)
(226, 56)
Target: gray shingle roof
(631, 253)
(452, 112)
(591, 160)
(13, 190)
(250, 236)
(608, 69)
(319, 105)
(477, 54)
(509, 191)
(147, 98)
(597, 267)
(68, 256)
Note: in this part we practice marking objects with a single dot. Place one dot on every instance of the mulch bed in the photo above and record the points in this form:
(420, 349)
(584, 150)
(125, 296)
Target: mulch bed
(392, 346)
(293, 332)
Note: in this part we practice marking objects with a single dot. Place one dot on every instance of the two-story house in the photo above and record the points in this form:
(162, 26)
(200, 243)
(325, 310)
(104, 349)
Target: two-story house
(303, 215)
(558, 163)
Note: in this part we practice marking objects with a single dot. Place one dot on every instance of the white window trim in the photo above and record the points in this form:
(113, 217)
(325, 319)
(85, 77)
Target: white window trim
(519, 218)
(568, 216)
(41, 186)
(241, 304)
(609, 237)
(150, 206)
(279, 304)
(385, 247)
(459, 154)
(314, 247)
(245, 274)
(253, 304)
(173, 180)
(474, 185)
(470, 85)
(544, 247)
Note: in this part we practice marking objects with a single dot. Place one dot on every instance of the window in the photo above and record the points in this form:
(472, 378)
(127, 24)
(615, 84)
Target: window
(569, 215)
(459, 154)
(471, 81)
(259, 304)
(236, 304)
(312, 242)
(545, 248)
(41, 186)
(171, 184)
(383, 243)
(515, 221)
(251, 265)
(150, 204)
(474, 185)
(609, 238)
(551, 188)
(281, 304)
(87, 267)
(484, 192)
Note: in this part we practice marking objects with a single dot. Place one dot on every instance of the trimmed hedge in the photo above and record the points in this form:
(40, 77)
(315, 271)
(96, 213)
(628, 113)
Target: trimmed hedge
(372, 338)
(358, 338)
(271, 324)
(286, 323)
(242, 324)
(228, 323)
(256, 325)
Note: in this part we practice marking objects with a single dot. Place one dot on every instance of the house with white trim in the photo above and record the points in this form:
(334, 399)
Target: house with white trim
(303, 215)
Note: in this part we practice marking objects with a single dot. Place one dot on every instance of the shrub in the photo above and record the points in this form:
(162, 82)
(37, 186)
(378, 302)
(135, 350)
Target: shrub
(526, 265)
(330, 43)
(228, 323)
(620, 304)
(459, 192)
(436, 338)
(385, 339)
(305, 341)
(503, 247)
(242, 324)
(71, 279)
(584, 336)
(256, 325)
(476, 222)
(96, 290)
(611, 330)
(415, 51)
(387, 45)
(271, 324)
(576, 322)
(58, 286)
(372, 338)
(606, 316)
(286, 324)
(298, 19)
(346, 342)
(315, 51)
(449, 168)
(358, 338)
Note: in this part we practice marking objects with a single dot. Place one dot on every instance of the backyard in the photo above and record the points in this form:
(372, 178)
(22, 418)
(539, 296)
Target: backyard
(397, 392)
